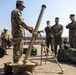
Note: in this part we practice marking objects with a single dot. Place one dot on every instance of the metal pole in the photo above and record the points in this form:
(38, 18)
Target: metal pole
(62, 70)
(41, 55)
(34, 36)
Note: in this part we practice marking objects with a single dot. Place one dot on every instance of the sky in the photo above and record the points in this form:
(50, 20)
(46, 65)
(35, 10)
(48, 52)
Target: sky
(55, 8)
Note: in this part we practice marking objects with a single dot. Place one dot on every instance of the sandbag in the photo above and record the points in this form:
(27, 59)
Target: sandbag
(67, 55)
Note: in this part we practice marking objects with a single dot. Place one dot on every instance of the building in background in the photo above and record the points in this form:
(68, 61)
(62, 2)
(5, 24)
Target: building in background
(28, 38)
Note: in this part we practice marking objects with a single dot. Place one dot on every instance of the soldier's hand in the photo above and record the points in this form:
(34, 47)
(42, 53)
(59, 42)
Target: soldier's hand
(56, 35)
(41, 31)
(31, 29)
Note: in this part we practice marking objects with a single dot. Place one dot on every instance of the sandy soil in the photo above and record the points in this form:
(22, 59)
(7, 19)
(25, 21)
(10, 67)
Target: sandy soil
(48, 68)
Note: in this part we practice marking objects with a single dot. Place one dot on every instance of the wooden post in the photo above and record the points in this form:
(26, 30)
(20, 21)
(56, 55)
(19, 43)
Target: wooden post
(34, 36)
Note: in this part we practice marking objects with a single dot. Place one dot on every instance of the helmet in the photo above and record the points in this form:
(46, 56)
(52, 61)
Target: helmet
(5, 29)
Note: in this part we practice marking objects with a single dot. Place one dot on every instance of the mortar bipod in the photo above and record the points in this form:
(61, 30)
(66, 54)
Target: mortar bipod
(44, 45)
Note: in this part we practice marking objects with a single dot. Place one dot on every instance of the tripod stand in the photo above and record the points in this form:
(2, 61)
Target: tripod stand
(43, 45)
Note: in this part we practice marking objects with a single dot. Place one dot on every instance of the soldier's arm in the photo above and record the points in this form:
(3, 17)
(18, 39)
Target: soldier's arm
(20, 21)
(69, 26)
(73, 26)
(61, 30)
(51, 34)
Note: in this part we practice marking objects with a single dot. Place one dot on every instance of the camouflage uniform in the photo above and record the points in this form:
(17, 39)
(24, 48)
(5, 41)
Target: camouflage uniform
(57, 29)
(72, 34)
(49, 37)
(18, 26)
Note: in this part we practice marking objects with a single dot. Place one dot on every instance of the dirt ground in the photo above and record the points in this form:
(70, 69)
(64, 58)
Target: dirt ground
(48, 68)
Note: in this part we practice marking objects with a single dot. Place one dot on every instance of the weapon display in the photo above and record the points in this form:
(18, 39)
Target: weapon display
(26, 65)
(34, 36)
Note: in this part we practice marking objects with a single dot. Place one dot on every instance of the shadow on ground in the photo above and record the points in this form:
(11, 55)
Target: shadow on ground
(52, 60)
(20, 73)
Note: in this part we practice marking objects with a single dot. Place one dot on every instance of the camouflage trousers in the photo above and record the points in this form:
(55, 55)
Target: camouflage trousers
(57, 41)
(50, 41)
(72, 41)
(17, 48)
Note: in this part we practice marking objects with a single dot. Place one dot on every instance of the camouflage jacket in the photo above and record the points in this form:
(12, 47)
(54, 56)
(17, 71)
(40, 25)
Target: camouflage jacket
(71, 25)
(72, 28)
(49, 33)
(57, 29)
(18, 23)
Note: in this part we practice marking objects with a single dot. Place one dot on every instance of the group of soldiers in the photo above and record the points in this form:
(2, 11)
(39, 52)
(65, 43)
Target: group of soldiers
(54, 34)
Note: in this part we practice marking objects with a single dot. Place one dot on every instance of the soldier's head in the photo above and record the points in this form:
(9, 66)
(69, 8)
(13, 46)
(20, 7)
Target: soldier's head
(5, 30)
(20, 5)
(48, 23)
(57, 20)
(72, 17)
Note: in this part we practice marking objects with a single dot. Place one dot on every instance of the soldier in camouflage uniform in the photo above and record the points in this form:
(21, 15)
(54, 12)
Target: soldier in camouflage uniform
(57, 32)
(49, 36)
(72, 31)
(18, 26)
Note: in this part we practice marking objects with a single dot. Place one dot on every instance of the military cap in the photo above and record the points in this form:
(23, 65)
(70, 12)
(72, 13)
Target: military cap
(72, 15)
(57, 18)
(20, 2)
(48, 21)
